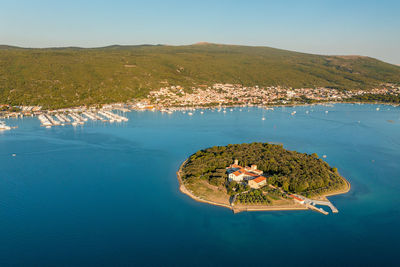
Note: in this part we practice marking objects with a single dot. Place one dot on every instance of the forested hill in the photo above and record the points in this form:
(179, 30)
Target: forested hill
(60, 77)
(293, 171)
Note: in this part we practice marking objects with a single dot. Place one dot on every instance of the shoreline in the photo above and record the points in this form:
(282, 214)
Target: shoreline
(187, 192)
(339, 192)
(17, 114)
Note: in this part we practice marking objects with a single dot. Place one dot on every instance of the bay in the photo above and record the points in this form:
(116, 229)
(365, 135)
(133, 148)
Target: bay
(107, 194)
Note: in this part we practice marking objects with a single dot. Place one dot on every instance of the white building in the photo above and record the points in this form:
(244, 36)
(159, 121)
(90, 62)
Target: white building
(238, 174)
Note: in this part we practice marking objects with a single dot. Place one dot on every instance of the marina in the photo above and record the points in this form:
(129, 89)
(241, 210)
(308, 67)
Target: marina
(49, 120)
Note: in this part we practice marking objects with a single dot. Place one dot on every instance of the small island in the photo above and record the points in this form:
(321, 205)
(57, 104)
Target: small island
(260, 176)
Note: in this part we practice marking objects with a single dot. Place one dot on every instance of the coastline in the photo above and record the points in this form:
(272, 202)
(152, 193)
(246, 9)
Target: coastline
(338, 192)
(237, 209)
(186, 191)
(7, 114)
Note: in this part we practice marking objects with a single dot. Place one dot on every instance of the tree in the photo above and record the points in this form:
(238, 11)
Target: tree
(285, 186)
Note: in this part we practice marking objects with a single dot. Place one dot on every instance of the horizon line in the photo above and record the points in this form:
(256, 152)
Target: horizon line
(202, 43)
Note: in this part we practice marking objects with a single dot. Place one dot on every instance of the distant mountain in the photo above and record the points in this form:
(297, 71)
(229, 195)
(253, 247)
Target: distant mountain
(58, 77)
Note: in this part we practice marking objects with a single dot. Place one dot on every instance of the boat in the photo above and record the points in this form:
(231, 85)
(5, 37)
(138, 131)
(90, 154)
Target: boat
(263, 118)
(190, 113)
(4, 127)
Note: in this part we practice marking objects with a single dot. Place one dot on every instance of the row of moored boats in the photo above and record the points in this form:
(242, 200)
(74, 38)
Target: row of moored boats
(74, 118)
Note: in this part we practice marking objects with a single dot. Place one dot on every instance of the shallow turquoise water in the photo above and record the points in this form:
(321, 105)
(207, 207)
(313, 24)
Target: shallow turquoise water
(107, 194)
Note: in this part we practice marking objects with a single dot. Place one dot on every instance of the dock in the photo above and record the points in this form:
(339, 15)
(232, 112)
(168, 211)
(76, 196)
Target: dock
(74, 118)
(311, 204)
(325, 203)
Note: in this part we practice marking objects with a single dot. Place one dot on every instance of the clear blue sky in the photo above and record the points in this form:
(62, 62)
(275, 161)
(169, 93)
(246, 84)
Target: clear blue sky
(369, 27)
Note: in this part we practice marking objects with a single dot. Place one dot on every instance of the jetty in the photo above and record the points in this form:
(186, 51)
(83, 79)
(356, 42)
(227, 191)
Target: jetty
(312, 203)
(73, 117)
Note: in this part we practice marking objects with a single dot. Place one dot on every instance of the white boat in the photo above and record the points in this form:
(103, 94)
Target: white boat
(263, 118)
(190, 113)
(4, 127)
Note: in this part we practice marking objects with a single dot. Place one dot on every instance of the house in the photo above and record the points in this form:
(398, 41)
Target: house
(236, 176)
(258, 182)
(297, 199)
(238, 173)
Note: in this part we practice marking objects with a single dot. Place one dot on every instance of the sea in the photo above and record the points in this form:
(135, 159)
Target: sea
(107, 193)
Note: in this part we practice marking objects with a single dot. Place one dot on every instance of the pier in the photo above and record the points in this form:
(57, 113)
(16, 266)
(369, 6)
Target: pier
(311, 204)
(74, 118)
(325, 203)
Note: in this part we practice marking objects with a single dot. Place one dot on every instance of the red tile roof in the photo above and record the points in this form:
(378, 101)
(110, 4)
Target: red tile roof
(259, 179)
(237, 173)
(251, 174)
(236, 166)
(296, 198)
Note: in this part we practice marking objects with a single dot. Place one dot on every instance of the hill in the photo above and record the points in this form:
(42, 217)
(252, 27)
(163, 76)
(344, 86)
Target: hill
(61, 77)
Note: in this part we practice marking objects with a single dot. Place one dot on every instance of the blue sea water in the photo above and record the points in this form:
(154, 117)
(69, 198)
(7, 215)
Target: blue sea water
(107, 194)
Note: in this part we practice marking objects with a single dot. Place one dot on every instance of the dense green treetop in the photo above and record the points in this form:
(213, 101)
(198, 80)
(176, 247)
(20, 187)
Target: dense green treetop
(293, 171)
(62, 77)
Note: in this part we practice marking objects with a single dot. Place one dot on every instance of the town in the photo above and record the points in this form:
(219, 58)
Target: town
(236, 94)
(178, 98)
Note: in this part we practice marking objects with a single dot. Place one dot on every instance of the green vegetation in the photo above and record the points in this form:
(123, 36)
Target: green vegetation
(292, 171)
(395, 99)
(253, 197)
(63, 77)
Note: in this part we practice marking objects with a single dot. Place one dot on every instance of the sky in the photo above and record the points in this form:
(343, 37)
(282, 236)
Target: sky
(330, 27)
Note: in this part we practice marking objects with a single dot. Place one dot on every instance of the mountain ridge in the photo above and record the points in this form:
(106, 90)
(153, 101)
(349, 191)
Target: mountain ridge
(58, 77)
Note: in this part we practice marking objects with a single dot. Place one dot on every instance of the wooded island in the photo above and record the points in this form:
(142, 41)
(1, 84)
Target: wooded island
(259, 176)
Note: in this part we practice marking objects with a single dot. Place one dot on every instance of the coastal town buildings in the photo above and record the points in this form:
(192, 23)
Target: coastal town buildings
(173, 98)
(236, 94)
